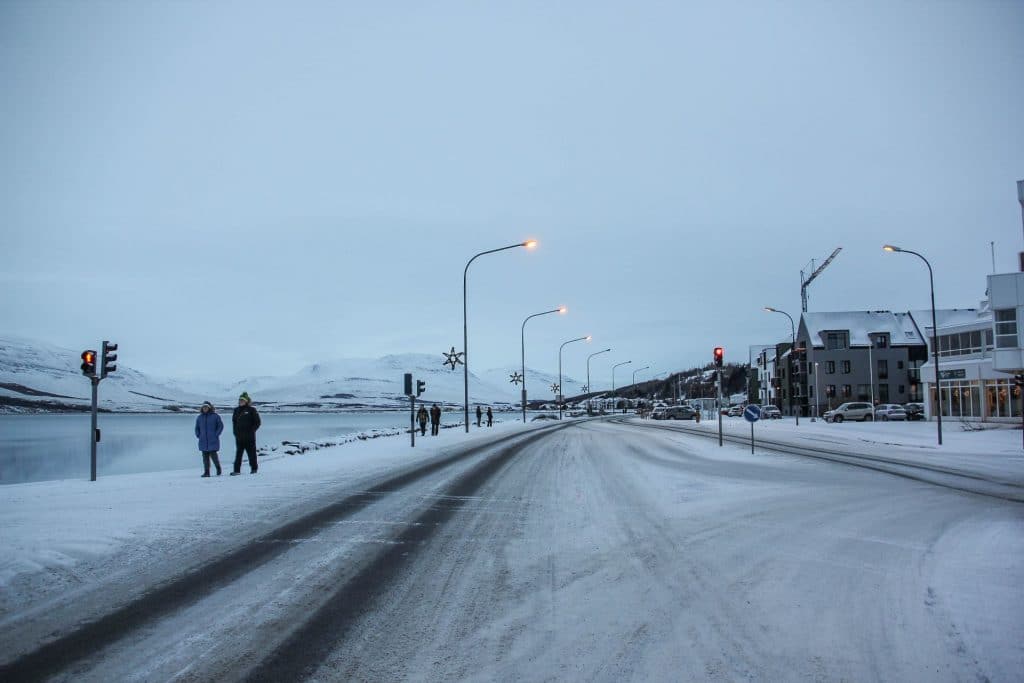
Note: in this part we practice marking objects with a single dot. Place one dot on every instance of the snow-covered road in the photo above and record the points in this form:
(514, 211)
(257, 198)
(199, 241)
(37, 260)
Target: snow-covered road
(585, 551)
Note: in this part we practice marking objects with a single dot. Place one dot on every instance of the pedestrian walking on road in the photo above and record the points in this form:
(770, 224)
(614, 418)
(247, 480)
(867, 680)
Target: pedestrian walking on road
(208, 429)
(435, 420)
(245, 421)
(479, 415)
(490, 417)
(422, 416)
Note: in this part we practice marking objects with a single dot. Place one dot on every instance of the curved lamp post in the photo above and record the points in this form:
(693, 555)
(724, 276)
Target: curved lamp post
(590, 389)
(561, 392)
(560, 309)
(529, 244)
(646, 367)
(935, 337)
(792, 353)
(613, 381)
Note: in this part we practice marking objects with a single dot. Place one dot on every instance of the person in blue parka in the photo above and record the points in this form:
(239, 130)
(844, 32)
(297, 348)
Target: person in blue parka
(208, 429)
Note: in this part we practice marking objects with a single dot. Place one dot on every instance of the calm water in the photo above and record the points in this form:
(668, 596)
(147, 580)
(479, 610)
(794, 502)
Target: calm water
(40, 447)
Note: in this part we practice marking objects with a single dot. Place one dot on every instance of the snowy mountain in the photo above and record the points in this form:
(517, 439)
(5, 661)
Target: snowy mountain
(37, 376)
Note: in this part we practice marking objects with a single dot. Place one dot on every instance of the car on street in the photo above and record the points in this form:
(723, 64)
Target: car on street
(853, 410)
(660, 413)
(680, 413)
(736, 411)
(770, 413)
(914, 411)
(890, 411)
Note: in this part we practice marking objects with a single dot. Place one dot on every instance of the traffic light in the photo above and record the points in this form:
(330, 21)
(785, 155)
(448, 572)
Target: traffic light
(108, 359)
(89, 363)
(421, 386)
(408, 384)
(719, 356)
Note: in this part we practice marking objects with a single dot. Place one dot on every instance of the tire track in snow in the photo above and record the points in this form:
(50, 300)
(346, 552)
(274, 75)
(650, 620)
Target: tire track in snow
(184, 590)
(301, 653)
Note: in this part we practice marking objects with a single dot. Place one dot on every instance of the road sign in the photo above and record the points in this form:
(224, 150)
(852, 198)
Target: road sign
(752, 413)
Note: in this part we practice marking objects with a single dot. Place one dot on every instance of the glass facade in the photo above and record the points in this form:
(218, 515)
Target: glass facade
(1006, 328)
(966, 343)
(977, 399)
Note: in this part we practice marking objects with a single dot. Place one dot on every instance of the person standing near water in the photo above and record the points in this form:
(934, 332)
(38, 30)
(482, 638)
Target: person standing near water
(245, 421)
(208, 429)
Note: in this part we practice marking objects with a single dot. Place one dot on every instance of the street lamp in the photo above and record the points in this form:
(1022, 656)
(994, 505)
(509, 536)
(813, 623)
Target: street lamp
(590, 389)
(561, 392)
(613, 381)
(792, 353)
(646, 367)
(528, 244)
(935, 337)
(560, 309)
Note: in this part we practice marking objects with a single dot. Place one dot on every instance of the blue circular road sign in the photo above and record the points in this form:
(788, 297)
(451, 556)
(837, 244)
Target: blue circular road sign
(752, 413)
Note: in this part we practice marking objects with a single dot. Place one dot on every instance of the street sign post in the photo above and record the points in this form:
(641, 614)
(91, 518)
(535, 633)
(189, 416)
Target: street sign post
(752, 414)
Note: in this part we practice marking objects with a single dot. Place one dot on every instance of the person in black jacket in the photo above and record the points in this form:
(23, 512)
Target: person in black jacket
(490, 417)
(422, 416)
(245, 422)
(479, 415)
(435, 420)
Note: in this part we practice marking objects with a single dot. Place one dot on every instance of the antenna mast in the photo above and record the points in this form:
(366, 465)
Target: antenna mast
(805, 283)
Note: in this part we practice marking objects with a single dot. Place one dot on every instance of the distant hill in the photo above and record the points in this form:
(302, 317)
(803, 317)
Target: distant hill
(36, 377)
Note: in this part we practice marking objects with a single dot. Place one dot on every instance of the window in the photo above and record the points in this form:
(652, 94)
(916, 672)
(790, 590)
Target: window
(883, 369)
(899, 365)
(835, 340)
(902, 389)
(830, 367)
(863, 392)
(1006, 328)
(846, 367)
(883, 393)
(881, 341)
(830, 390)
(847, 390)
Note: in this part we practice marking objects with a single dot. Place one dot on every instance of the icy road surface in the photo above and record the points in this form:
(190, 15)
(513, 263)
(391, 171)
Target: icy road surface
(588, 551)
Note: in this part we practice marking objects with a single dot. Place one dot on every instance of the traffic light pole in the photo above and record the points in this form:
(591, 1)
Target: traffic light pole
(719, 408)
(412, 419)
(94, 433)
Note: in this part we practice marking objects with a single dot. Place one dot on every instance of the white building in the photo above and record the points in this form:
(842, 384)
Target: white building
(979, 353)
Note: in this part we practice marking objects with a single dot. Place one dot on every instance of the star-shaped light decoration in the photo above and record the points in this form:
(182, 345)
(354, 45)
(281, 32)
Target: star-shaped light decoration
(453, 358)
(554, 387)
(585, 388)
(516, 378)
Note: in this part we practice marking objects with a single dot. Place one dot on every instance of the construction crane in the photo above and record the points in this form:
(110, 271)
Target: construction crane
(817, 271)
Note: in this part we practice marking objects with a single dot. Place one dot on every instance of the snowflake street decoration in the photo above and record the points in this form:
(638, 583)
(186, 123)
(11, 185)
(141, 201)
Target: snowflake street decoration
(586, 388)
(554, 388)
(453, 358)
(516, 378)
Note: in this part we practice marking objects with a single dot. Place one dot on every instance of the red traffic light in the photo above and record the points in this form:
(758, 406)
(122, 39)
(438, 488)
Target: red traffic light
(89, 363)
(719, 355)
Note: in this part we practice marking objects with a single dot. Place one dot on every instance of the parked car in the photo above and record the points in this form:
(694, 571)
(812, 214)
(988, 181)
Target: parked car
(770, 413)
(736, 411)
(680, 413)
(850, 411)
(660, 413)
(890, 411)
(914, 411)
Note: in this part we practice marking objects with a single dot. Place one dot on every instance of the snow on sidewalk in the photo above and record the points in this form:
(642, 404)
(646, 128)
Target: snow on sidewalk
(60, 534)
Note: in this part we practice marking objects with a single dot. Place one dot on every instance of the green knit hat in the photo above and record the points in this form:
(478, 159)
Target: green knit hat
(245, 397)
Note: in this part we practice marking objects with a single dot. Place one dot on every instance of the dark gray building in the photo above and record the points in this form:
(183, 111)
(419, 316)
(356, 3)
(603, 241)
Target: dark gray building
(854, 356)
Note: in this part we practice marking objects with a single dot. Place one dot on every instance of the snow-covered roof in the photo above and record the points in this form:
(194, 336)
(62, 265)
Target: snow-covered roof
(949, 317)
(899, 326)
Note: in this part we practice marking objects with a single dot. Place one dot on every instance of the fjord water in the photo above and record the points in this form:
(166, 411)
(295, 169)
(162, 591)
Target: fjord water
(43, 447)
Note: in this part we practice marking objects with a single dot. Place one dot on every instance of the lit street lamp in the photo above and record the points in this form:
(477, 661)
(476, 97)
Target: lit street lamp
(561, 390)
(935, 337)
(792, 354)
(529, 244)
(560, 309)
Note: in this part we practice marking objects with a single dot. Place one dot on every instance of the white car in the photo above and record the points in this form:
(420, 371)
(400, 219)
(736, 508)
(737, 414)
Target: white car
(850, 411)
(890, 411)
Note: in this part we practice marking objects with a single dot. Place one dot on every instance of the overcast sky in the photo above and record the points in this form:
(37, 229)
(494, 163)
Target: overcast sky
(233, 189)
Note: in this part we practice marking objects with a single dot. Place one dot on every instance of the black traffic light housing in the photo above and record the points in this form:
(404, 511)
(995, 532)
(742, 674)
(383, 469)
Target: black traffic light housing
(89, 363)
(408, 384)
(421, 386)
(108, 359)
(719, 356)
